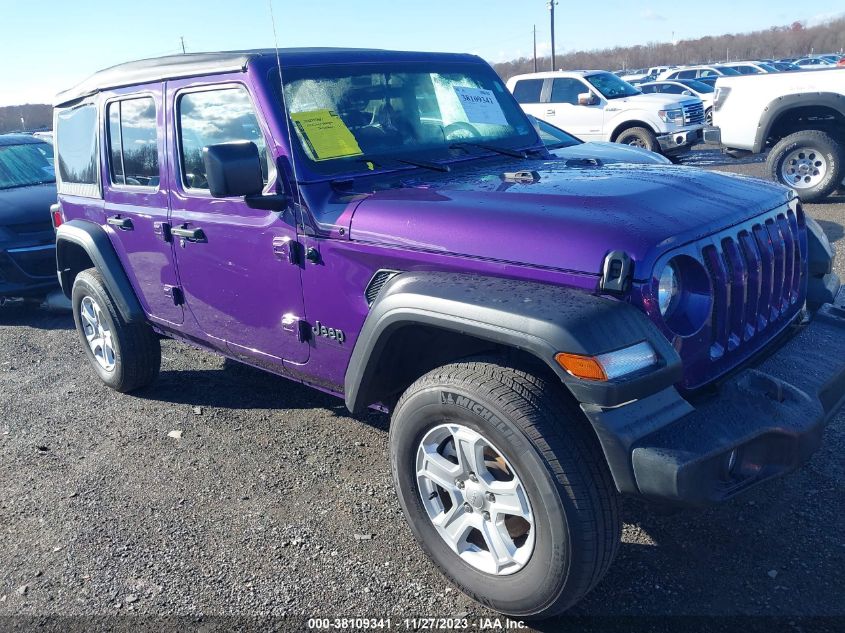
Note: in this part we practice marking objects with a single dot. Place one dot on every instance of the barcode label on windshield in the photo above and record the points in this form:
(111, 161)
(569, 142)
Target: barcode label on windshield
(480, 106)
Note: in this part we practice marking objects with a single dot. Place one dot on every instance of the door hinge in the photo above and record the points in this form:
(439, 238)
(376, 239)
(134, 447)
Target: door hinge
(287, 249)
(175, 293)
(296, 326)
(162, 229)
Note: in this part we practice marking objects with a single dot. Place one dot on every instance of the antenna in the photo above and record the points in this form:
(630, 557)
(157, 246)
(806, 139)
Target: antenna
(285, 108)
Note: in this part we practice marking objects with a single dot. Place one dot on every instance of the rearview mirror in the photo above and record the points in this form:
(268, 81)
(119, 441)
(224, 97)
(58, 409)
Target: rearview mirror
(587, 99)
(233, 169)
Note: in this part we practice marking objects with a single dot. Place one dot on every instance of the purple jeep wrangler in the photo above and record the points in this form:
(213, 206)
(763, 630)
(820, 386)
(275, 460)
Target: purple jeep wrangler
(547, 334)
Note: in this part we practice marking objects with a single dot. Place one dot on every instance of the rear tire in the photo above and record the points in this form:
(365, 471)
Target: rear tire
(541, 435)
(126, 356)
(639, 137)
(811, 162)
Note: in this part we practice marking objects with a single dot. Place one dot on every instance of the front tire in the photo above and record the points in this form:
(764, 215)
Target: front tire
(639, 137)
(811, 162)
(504, 485)
(126, 356)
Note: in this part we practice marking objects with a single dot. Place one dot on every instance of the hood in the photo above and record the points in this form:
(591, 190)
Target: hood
(26, 205)
(609, 153)
(652, 101)
(569, 219)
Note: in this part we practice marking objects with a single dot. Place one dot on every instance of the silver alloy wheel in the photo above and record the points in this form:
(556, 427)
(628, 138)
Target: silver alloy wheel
(475, 499)
(97, 333)
(803, 168)
(635, 141)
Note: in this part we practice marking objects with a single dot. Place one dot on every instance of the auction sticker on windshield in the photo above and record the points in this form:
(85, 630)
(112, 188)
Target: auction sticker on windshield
(480, 105)
(326, 134)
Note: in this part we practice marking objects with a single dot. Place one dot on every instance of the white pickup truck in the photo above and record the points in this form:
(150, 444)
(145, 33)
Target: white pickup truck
(799, 115)
(595, 105)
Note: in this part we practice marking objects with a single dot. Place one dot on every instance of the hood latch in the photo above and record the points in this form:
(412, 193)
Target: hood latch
(617, 272)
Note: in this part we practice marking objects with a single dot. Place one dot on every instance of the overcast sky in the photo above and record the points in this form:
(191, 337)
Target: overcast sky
(49, 46)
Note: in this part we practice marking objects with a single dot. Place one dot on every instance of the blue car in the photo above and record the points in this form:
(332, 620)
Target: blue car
(27, 240)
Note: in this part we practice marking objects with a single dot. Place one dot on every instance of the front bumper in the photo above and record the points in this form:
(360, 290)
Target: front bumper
(764, 421)
(27, 271)
(679, 141)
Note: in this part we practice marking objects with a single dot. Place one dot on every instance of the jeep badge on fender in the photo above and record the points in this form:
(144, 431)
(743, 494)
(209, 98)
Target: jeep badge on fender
(328, 332)
(543, 344)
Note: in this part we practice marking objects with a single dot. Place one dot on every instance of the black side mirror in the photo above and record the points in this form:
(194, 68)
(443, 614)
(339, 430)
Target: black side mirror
(233, 169)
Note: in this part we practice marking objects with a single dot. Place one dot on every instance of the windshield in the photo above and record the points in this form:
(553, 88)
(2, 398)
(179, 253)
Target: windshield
(727, 71)
(26, 165)
(611, 87)
(346, 116)
(553, 137)
(698, 86)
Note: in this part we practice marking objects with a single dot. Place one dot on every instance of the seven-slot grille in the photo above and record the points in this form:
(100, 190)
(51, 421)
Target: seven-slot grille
(693, 113)
(757, 278)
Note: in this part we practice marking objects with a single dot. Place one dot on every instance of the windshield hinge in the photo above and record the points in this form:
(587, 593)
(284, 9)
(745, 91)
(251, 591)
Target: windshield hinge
(521, 176)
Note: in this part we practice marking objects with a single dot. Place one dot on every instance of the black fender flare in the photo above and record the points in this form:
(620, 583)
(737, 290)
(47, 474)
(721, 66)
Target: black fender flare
(96, 243)
(777, 107)
(537, 318)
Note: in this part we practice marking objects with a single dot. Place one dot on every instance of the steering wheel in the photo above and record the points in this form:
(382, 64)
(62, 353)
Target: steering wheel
(460, 130)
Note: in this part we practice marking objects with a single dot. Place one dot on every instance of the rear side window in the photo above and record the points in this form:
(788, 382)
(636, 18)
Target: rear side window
(567, 90)
(133, 143)
(76, 143)
(528, 90)
(211, 117)
(686, 74)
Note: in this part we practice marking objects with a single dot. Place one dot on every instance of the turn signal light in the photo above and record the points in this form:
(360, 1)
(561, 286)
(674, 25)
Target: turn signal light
(609, 366)
(585, 367)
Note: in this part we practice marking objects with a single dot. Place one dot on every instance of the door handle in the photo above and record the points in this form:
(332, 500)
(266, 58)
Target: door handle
(550, 112)
(124, 224)
(191, 235)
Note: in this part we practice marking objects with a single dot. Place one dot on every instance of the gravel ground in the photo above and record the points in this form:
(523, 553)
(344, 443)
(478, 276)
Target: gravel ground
(226, 491)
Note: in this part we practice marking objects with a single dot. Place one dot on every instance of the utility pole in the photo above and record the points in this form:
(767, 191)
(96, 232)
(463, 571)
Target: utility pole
(551, 5)
(182, 40)
(23, 125)
(535, 48)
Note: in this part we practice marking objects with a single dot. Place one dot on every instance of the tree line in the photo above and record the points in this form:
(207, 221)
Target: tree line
(794, 40)
(36, 116)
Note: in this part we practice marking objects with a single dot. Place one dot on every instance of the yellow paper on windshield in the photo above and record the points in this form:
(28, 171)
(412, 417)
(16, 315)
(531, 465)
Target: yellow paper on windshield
(326, 134)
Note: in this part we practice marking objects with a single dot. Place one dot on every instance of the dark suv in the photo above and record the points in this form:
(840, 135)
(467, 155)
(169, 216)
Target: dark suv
(388, 227)
(27, 241)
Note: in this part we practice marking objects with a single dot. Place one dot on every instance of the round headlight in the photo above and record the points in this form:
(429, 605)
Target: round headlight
(684, 295)
(668, 290)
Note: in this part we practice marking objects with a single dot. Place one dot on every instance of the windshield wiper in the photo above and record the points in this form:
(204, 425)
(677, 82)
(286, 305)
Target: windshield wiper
(514, 153)
(425, 164)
